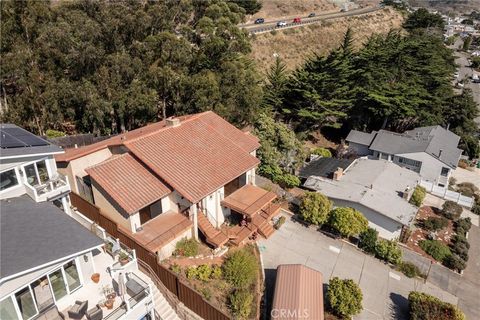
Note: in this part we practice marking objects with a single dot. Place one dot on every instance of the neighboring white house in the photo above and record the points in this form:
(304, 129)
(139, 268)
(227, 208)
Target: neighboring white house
(430, 151)
(379, 189)
(46, 266)
(27, 165)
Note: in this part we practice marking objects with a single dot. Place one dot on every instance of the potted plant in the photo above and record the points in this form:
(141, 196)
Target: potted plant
(95, 277)
(123, 258)
(108, 247)
(109, 303)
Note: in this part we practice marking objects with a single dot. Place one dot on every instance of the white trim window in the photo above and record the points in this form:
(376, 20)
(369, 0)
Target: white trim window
(9, 179)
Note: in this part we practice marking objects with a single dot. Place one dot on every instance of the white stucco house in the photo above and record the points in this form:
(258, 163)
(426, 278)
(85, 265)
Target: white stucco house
(430, 151)
(379, 189)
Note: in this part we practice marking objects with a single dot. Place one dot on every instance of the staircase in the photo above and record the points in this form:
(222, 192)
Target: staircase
(261, 222)
(162, 307)
(213, 236)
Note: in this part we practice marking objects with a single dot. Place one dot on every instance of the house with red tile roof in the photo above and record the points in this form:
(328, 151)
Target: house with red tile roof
(171, 179)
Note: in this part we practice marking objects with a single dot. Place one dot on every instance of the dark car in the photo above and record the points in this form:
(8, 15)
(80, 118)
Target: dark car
(259, 20)
(311, 15)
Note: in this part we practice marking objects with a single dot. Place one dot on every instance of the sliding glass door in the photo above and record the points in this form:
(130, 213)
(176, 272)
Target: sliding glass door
(58, 284)
(7, 309)
(25, 303)
(42, 293)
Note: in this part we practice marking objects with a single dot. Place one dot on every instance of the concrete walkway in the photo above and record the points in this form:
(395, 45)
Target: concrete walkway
(385, 291)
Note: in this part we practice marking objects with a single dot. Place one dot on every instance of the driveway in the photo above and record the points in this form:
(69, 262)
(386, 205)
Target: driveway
(385, 291)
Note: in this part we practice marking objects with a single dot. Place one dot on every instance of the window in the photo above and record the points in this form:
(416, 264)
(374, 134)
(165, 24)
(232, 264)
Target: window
(71, 273)
(445, 172)
(37, 173)
(25, 303)
(58, 284)
(7, 309)
(409, 162)
(8, 179)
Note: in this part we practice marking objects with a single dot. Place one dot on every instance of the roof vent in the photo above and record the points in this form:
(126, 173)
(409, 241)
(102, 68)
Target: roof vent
(440, 153)
(172, 122)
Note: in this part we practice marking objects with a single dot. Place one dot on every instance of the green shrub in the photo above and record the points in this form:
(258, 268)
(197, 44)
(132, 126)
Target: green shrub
(476, 209)
(206, 293)
(426, 307)
(418, 195)
(240, 268)
(465, 224)
(460, 239)
(451, 210)
(203, 272)
(455, 262)
(315, 208)
(216, 272)
(434, 223)
(344, 297)
(347, 221)
(279, 222)
(389, 251)
(323, 152)
(186, 247)
(368, 240)
(241, 303)
(54, 133)
(287, 181)
(409, 269)
(191, 273)
(438, 250)
(176, 268)
(467, 189)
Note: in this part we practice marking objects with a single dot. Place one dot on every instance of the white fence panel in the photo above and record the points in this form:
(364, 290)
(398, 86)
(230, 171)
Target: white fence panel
(446, 194)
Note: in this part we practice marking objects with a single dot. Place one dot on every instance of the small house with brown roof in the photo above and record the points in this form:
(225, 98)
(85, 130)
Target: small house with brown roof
(298, 293)
(170, 179)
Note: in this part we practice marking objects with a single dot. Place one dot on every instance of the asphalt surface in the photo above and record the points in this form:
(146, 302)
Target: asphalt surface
(272, 25)
(385, 291)
(465, 73)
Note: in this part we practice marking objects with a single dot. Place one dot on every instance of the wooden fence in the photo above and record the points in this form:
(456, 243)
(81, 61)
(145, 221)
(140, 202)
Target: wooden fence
(185, 294)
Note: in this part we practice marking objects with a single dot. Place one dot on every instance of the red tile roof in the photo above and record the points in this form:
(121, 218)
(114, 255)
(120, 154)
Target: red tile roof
(197, 157)
(128, 182)
(298, 293)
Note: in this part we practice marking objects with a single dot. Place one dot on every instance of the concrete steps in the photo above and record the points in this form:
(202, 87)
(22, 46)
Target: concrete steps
(163, 308)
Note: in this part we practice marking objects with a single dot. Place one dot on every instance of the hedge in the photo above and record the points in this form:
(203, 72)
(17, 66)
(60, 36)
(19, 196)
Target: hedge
(423, 306)
(437, 249)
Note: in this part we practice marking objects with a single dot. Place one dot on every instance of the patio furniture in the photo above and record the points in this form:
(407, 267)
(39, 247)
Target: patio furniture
(133, 287)
(78, 309)
(95, 313)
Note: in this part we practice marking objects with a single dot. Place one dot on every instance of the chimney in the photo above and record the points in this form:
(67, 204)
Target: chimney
(172, 122)
(405, 193)
(337, 175)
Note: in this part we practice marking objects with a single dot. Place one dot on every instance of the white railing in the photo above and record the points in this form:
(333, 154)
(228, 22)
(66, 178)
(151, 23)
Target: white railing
(446, 194)
(54, 186)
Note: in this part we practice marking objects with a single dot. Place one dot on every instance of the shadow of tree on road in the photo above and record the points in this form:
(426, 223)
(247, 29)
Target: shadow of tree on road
(399, 306)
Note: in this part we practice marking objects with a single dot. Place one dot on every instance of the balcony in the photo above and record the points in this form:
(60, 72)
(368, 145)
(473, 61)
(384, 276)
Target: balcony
(49, 189)
(137, 298)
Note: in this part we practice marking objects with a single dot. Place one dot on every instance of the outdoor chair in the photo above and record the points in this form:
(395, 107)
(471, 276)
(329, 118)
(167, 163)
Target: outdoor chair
(78, 309)
(95, 313)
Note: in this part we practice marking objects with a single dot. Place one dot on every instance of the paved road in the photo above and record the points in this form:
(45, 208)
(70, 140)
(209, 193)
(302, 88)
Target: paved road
(272, 25)
(385, 291)
(465, 287)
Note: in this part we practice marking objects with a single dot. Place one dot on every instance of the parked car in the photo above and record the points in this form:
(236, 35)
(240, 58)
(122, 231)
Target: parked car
(297, 20)
(281, 24)
(259, 20)
(311, 15)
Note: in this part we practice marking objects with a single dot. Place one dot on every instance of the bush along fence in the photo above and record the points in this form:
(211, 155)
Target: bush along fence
(172, 287)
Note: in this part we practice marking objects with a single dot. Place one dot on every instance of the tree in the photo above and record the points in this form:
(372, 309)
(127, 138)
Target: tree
(315, 208)
(274, 92)
(418, 195)
(466, 43)
(424, 306)
(344, 297)
(250, 6)
(389, 251)
(347, 221)
(323, 152)
(368, 240)
(240, 268)
(451, 210)
(281, 153)
(422, 18)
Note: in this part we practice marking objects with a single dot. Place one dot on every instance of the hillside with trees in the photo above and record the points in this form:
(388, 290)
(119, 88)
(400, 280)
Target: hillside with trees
(106, 67)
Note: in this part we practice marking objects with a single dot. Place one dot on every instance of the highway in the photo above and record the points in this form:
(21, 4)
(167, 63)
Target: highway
(272, 25)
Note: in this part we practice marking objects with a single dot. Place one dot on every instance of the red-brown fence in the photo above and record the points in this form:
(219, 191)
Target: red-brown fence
(190, 298)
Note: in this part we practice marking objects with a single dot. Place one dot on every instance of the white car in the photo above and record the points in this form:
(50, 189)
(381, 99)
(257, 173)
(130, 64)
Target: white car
(281, 24)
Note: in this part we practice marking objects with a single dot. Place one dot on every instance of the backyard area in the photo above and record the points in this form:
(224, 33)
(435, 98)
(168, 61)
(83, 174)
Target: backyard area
(230, 280)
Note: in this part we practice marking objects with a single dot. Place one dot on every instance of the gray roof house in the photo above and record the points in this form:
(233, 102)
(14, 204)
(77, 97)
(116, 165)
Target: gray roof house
(430, 151)
(379, 189)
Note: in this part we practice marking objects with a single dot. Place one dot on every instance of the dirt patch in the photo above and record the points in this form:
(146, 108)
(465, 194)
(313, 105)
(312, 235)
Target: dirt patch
(444, 235)
(283, 9)
(294, 45)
